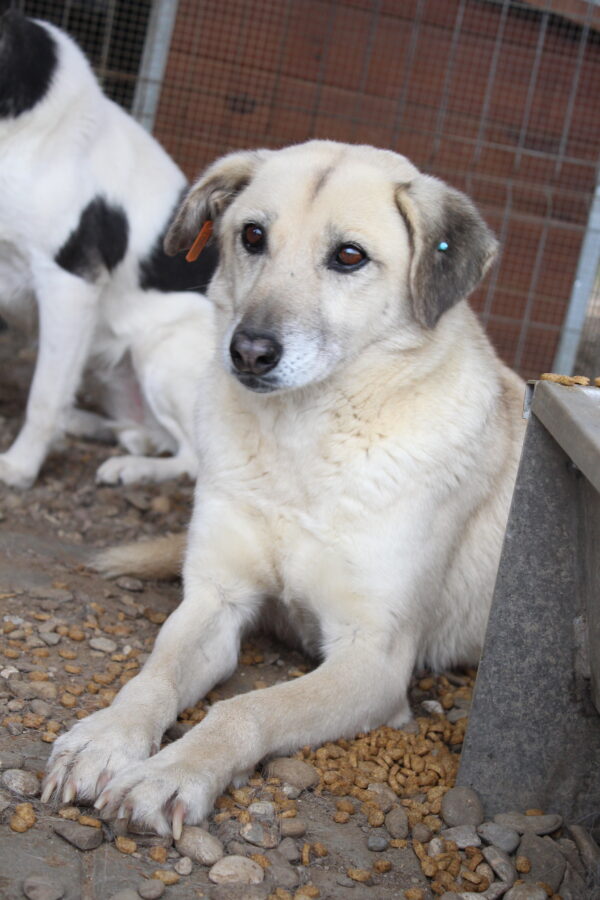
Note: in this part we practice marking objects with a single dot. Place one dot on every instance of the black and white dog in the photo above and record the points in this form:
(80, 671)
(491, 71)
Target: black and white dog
(85, 197)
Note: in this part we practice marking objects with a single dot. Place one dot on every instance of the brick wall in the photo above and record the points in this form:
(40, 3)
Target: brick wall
(498, 99)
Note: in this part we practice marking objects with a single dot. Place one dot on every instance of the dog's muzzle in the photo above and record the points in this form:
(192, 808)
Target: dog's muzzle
(254, 354)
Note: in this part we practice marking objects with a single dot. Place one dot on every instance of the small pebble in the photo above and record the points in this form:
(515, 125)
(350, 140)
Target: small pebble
(50, 638)
(289, 850)
(533, 824)
(236, 869)
(263, 809)
(293, 827)
(129, 584)
(21, 782)
(383, 796)
(463, 836)
(433, 707)
(501, 863)
(422, 833)
(280, 872)
(105, 645)
(10, 760)
(436, 845)
(199, 845)
(526, 892)
(547, 863)
(462, 806)
(151, 889)
(183, 866)
(291, 791)
(81, 836)
(396, 822)
(506, 839)
(296, 772)
(377, 843)
(38, 887)
(261, 835)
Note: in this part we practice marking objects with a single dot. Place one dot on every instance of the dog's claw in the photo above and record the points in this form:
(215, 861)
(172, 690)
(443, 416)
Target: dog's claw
(49, 788)
(103, 780)
(124, 812)
(101, 801)
(179, 812)
(69, 792)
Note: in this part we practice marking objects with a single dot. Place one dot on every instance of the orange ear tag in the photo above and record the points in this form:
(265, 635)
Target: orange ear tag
(200, 242)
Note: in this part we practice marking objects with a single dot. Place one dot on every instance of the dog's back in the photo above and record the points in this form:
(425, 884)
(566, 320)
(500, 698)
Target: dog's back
(82, 182)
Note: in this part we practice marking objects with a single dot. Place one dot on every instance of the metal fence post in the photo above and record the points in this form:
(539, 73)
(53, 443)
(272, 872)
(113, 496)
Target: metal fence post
(154, 61)
(589, 260)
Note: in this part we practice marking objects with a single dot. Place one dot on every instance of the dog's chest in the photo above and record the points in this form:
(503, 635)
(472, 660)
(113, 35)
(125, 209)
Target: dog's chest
(319, 482)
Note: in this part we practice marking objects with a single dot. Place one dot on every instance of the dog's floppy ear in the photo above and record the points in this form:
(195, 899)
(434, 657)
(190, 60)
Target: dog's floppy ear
(452, 247)
(210, 196)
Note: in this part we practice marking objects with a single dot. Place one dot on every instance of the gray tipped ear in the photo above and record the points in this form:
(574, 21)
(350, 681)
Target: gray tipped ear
(210, 196)
(452, 247)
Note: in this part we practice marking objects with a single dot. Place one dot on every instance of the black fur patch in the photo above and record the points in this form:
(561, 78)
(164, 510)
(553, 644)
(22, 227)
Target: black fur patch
(28, 59)
(173, 273)
(99, 241)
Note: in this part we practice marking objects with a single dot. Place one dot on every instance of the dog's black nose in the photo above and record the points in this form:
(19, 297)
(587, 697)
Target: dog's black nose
(254, 352)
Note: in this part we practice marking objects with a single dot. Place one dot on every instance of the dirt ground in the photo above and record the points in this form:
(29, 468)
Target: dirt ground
(46, 535)
(52, 606)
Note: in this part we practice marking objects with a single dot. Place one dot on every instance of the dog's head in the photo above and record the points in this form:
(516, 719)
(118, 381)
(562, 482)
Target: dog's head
(39, 64)
(326, 249)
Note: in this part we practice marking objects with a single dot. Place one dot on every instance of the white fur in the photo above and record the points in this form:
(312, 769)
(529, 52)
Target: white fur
(142, 348)
(370, 498)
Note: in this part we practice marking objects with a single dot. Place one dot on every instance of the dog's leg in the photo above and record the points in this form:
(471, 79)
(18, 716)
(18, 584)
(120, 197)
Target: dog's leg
(196, 648)
(167, 363)
(85, 424)
(359, 686)
(67, 316)
(146, 469)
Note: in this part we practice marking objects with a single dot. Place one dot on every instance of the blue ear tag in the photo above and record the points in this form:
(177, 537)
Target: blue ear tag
(443, 245)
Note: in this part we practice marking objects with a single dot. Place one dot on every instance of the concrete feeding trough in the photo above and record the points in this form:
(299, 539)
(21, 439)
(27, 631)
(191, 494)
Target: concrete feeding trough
(533, 739)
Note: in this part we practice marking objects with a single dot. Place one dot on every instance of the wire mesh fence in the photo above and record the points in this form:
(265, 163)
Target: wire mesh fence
(498, 97)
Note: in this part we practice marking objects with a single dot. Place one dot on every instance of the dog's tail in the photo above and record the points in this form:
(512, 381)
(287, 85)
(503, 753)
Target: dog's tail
(160, 558)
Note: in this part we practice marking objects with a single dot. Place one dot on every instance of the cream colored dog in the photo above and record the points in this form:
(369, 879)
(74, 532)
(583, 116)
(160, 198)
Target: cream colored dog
(359, 445)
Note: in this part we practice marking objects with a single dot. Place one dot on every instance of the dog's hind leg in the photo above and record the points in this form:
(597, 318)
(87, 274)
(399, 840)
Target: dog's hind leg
(167, 361)
(67, 317)
(85, 424)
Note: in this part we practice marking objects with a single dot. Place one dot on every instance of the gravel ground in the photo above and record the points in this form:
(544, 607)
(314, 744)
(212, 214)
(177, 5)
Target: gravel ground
(376, 817)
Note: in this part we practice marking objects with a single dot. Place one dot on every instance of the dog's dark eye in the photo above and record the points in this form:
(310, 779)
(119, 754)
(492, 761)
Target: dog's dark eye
(254, 238)
(347, 258)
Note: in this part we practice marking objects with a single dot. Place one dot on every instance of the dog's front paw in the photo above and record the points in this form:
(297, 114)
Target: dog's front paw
(85, 758)
(14, 475)
(166, 791)
(127, 470)
(132, 469)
